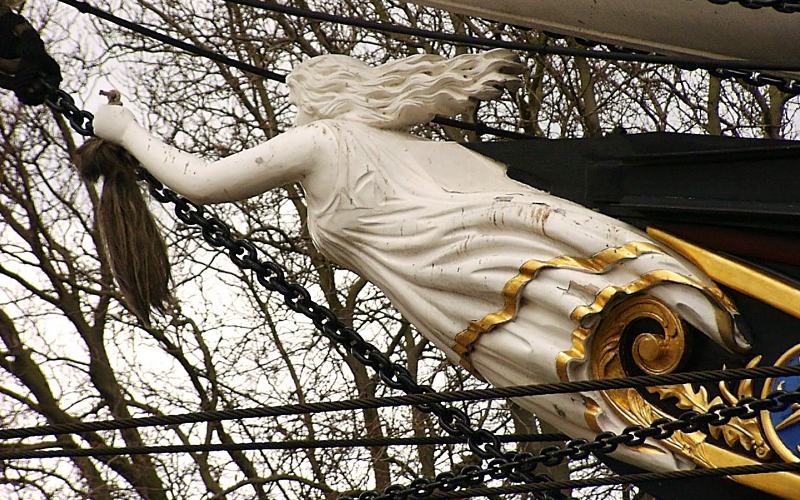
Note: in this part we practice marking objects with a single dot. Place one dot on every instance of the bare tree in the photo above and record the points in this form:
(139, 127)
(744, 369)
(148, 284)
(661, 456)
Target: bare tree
(71, 348)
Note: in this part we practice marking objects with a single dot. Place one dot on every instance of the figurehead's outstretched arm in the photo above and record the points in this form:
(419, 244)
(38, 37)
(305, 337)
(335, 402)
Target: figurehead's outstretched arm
(289, 157)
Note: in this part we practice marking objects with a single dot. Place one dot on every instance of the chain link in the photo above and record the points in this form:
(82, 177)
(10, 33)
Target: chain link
(272, 277)
(61, 102)
(786, 6)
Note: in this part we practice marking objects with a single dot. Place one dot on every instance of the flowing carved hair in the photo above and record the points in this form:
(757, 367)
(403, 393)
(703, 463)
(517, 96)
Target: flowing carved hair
(400, 93)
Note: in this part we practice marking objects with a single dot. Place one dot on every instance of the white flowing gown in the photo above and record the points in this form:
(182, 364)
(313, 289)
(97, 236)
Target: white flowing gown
(441, 229)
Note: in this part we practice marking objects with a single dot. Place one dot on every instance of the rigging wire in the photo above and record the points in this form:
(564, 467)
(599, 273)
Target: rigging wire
(416, 441)
(578, 449)
(684, 62)
(423, 399)
(479, 128)
(269, 445)
(481, 42)
(86, 8)
(737, 470)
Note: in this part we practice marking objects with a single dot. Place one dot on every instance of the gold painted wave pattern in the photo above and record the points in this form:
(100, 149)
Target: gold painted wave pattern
(598, 263)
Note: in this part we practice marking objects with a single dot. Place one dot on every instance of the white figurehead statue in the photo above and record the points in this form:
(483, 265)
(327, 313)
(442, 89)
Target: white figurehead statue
(509, 281)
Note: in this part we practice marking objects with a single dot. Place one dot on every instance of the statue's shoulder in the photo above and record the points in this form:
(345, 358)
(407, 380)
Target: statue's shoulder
(341, 130)
(326, 133)
(326, 129)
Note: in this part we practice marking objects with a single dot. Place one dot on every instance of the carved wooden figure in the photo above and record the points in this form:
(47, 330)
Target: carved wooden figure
(516, 285)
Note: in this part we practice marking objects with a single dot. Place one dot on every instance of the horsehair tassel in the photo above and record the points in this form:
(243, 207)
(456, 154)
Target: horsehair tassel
(132, 240)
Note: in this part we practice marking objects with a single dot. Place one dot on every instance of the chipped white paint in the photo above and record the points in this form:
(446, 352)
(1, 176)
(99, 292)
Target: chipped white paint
(439, 228)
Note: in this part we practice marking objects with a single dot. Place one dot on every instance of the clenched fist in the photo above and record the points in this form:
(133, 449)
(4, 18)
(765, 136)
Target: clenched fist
(111, 122)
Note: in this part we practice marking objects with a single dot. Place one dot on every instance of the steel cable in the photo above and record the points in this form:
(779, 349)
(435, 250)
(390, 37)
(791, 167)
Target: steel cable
(750, 73)
(578, 449)
(727, 69)
(268, 445)
(86, 8)
(424, 400)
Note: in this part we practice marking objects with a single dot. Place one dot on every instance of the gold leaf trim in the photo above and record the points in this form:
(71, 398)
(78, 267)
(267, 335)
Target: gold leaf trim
(629, 405)
(737, 275)
(599, 263)
(739, 431)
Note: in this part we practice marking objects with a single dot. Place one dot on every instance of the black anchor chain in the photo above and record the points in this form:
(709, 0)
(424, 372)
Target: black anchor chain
(79, 119)
(271, 276)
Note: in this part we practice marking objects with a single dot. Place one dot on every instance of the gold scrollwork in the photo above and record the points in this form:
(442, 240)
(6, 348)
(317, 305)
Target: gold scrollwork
(665, 352)
(646, 281)
(636, 410)
(654, 352)
(606, 362)
(743, 432)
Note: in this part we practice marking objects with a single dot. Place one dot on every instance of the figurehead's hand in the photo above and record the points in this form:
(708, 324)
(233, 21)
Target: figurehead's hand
(112, 121)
